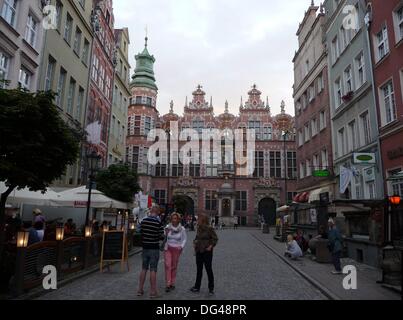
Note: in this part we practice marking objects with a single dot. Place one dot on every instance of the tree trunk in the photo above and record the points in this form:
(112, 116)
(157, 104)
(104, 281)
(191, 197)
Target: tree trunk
(3, 201)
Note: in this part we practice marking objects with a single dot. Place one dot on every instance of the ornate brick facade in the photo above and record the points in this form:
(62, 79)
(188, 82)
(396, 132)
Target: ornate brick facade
(102, 74)
(213, 189)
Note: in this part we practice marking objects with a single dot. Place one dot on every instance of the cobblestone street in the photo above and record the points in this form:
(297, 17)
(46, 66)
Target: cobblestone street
(244, 269)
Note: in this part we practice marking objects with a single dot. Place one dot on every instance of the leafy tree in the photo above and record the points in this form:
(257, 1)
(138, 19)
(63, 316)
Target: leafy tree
(36, 144)
(119, 182)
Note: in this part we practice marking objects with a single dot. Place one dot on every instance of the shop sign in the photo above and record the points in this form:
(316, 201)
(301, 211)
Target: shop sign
(369, 174)
(364, 158)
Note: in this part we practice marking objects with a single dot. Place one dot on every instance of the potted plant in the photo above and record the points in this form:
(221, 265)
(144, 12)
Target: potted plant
(348, 96)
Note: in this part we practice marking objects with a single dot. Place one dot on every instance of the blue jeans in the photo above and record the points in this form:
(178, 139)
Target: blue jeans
(336, 260)
(150, 259)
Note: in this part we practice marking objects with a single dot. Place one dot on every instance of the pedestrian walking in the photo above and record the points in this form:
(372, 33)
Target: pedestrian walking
(152, 231)
(335, 245)
(204, 243)
(235, 222)
(176, 241)
(39, 227)
(38, 216)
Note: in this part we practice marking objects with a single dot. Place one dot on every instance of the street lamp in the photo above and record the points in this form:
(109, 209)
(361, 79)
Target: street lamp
(93, 161)
(285, 133)
(60, 232)
(395, 200)
(168, 132)
(22, 239)
(132, 226)
(88, 231)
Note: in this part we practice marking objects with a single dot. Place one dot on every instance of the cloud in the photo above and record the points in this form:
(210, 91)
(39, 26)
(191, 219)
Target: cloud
(226, 45)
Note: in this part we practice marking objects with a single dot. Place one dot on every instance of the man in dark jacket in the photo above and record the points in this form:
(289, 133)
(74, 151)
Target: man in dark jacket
(335, 245)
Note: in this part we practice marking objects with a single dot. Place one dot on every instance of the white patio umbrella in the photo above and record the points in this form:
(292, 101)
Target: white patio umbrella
(25, 196)
(283, 209)
(78, 198)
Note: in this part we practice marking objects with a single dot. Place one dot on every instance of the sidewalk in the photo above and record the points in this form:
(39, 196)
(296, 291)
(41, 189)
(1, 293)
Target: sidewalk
(332, 285)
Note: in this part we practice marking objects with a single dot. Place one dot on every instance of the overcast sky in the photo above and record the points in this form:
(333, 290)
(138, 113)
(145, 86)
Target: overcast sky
(225, 45)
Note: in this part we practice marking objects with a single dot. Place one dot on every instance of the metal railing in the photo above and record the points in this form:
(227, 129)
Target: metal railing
(69, 256)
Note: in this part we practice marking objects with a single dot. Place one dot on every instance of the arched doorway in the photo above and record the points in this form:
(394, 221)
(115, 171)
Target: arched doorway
(184, 204)
(267, 209)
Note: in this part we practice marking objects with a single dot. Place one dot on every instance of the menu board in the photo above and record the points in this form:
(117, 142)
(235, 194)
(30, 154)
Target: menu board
(114, 247)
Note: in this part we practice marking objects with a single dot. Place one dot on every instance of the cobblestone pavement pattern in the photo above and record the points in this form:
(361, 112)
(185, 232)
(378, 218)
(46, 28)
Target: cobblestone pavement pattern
(244, 269)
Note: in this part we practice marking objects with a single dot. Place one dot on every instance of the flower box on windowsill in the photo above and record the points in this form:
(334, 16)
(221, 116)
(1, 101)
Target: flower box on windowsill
(348, 96)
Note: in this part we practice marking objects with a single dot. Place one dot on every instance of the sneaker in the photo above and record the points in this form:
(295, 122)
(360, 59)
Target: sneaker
(167, 289)
(211, 293)
(194, 290)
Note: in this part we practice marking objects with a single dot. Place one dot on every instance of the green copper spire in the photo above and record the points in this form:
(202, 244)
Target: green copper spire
(144, 72)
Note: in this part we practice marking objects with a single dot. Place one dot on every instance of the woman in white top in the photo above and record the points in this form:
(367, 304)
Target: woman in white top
(293, 250)
(176, 241)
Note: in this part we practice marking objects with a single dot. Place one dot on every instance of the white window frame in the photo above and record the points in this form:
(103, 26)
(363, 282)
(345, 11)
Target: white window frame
(307, 134)
(387, 103)
(365, 128)
(348, 79)
(78, 36)
(353, 141)
(360, 70)
(68, 29)
(398, 23)
(61, 86)
(308, 167)
(338, 93)
(86, 51)
(59, 14)
(315, 162)
(341, 142)
(80, 103)
(314, 127)
(301, 170)
(324, 159)
(382, 43)
(300, 138)
(320, 83)
(335, 49)
(24, 78)
(70, 96)
(322, 120)
(4, 67)
(50, 71)
(9, 12)
(267, 132)
(31, 30)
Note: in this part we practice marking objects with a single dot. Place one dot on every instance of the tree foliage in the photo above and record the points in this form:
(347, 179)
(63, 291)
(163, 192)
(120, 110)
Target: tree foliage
(119, 182)
(36, 144)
